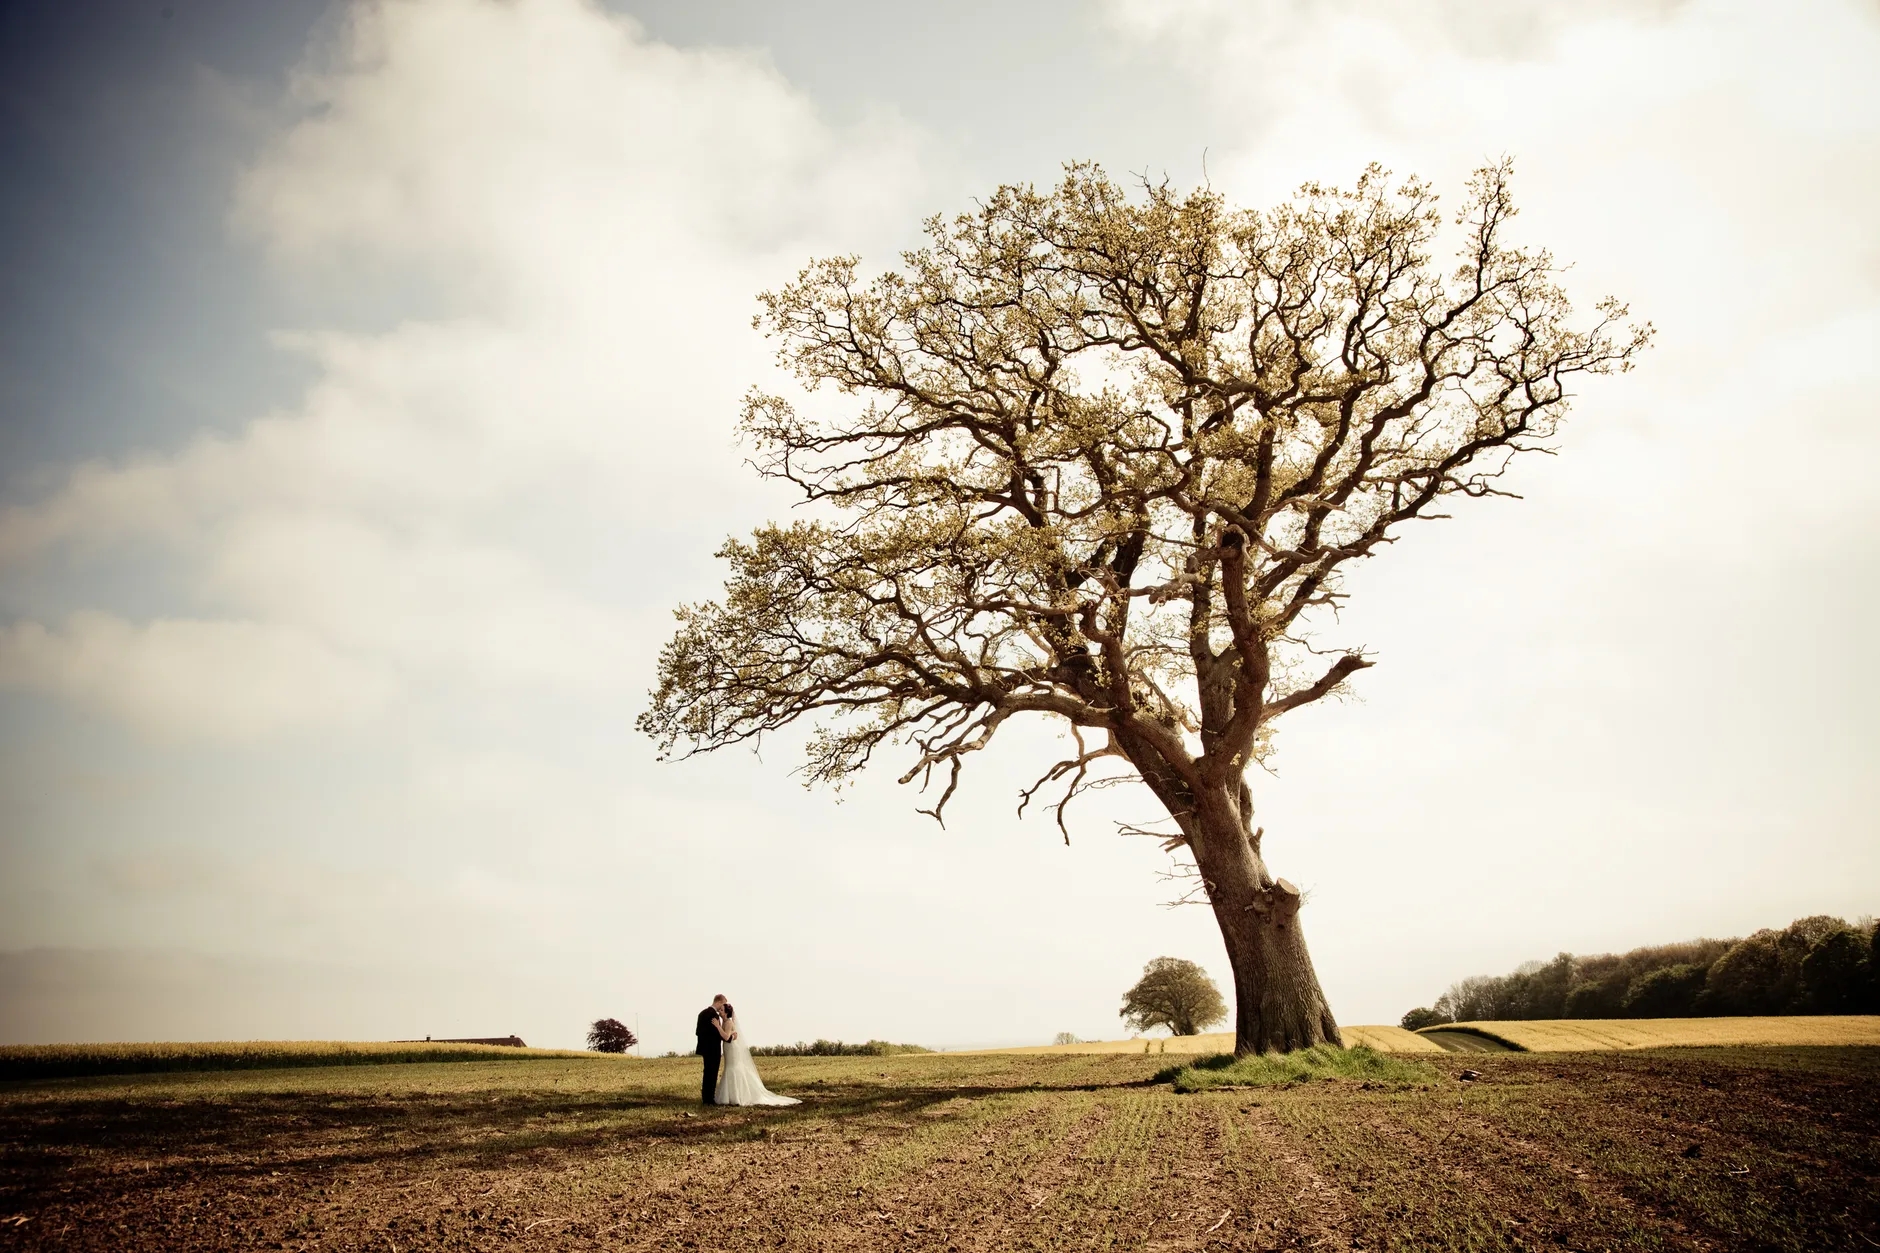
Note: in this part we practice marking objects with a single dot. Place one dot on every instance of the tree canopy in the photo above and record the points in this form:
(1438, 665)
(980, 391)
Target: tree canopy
(1176, 994)
(1816, 965)
(610, 1035)
(1102, 456)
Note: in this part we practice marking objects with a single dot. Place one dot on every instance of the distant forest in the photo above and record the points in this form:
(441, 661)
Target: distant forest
(1815, 965)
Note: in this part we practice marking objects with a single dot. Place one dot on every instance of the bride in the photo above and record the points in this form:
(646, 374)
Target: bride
(738, 1083)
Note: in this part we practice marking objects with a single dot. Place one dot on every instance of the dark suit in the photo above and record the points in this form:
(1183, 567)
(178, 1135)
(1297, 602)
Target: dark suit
(711, 1047)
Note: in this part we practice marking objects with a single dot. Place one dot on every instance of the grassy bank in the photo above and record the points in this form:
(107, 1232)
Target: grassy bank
(1358, 1064)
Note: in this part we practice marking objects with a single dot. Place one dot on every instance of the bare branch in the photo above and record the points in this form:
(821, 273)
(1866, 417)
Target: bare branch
(1106, 456)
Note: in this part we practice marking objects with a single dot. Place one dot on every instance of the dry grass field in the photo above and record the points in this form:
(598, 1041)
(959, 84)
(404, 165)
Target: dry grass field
(1588, 1034)
(33, 1061)
(1685, 1149)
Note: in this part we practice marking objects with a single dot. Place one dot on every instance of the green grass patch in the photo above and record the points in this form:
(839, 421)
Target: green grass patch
(1321, 1061)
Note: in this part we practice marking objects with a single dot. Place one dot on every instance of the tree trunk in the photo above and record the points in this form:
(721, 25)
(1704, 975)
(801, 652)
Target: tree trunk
(1278, 1004)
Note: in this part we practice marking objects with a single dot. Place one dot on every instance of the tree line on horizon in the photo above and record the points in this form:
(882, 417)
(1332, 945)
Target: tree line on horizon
(1816, 965)
(836, 1048)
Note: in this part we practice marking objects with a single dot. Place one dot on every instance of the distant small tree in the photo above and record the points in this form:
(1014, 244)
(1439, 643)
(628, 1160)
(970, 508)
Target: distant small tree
(1468, 1000)
(1541, 992)
(1065, 1037)
(1668, 992)
(610, 1035)
(1417, 1019)
(1873, 966)
(1603, 998)
(1835, 975)
(1805, 933)
(1749, 979)
(1176, 994)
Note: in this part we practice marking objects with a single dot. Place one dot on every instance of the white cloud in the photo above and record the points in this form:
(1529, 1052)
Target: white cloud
(1726, 142)
(223, 678)
(558, 151)
(473, 497)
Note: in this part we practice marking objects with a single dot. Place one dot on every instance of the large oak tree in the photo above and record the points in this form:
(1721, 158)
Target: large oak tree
(1102, 457)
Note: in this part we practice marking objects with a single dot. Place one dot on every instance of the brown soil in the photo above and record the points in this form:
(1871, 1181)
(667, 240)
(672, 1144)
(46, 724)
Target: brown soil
(1692, 1149)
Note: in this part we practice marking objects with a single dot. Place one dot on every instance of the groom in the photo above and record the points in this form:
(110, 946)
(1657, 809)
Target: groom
(710, 1046)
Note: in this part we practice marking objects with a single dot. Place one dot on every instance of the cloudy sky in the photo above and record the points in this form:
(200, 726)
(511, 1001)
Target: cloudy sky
(367, 376)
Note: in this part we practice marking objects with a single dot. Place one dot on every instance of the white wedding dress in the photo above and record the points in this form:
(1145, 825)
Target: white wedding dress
(738, 1083)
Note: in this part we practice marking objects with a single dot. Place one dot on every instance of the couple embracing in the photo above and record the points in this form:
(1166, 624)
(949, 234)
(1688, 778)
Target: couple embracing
(719, 1042)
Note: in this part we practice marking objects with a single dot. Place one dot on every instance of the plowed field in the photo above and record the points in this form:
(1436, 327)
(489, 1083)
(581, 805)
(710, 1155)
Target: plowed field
(1691, 1149)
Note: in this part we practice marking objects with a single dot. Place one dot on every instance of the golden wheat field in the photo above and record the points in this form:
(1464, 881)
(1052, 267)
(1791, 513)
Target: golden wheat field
(48, 1060)
(1547, 1036)
(1388, 1040)
(1600, 1034)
